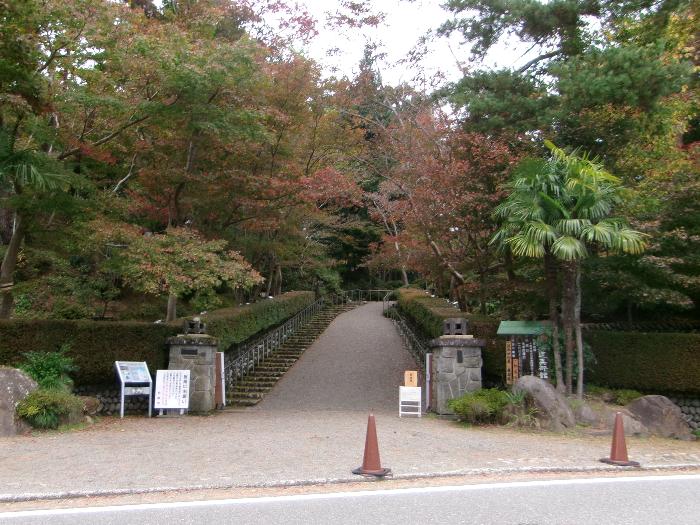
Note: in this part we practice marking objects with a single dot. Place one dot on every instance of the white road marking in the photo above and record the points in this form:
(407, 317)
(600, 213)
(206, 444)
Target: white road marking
(338, 495)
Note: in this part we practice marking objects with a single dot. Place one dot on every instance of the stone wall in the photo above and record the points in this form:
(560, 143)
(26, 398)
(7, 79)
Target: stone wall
(690, 407)
(109, 398)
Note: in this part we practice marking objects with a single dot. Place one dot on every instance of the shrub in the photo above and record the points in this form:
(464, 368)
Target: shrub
(43, 407)
(650, 362)
(481, 406)
(50, 369)
(625, 396)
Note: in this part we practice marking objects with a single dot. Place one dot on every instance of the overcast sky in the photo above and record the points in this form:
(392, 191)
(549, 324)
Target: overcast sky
(405, 23)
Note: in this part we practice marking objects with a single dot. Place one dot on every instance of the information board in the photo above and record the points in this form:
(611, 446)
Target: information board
(135, 380)
(172, 389)
(133, 372)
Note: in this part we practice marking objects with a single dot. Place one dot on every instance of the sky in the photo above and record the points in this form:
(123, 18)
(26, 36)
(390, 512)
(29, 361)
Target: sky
(406, 21)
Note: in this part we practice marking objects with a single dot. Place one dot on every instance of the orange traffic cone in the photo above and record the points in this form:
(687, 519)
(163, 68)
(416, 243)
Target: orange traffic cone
(371, 466)
(618, 451)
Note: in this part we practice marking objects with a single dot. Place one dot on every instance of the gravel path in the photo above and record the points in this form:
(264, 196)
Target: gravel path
(356, 364)
(319, 438)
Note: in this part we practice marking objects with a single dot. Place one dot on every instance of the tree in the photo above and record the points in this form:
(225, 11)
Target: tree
(176, 263)
(561, 207)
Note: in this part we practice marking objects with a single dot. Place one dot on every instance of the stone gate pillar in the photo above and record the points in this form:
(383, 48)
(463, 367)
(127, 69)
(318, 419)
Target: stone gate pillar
(456, 369)
(196, 352)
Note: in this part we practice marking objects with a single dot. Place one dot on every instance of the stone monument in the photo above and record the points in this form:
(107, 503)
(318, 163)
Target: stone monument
(195, 351)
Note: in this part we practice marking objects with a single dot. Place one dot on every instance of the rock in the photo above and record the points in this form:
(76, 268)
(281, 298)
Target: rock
(631, 425)
(585, 415)
(15, 385)
(553, 411)
(660, 416)
(91, 405)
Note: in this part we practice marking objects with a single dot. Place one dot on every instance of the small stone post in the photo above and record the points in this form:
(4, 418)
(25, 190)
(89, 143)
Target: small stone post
(196, 352)
(456, 368)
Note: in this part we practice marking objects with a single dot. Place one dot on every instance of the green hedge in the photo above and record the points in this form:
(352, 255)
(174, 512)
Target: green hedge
(235, 325)
(428, 314)
(649, 362)
(95, 345)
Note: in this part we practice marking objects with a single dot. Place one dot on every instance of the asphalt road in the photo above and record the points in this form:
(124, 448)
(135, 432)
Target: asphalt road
(614, 501)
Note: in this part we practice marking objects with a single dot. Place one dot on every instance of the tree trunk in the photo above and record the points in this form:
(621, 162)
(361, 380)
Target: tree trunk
(270, 280)
(550, 270)
(9, 263)
(579, 334)
(482, 292)
(172, 308)
(278, 286)
(568, 307)
(404, 275)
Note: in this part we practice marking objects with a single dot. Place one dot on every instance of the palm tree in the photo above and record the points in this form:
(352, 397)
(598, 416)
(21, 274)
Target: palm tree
(559, 209)
(21, 171)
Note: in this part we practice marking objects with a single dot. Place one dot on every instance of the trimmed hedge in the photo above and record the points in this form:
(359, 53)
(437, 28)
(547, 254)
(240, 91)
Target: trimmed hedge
(428, 314)
(649, 362)
(235, 325)
(95, 345)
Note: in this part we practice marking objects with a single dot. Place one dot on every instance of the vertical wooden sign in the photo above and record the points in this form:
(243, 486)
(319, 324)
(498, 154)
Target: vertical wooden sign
(509, 362)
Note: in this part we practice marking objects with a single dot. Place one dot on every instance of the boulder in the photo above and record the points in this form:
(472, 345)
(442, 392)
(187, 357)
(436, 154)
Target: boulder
(630, 423)
(661, 416)
(585, 415)
(553, 411)
(15, 385)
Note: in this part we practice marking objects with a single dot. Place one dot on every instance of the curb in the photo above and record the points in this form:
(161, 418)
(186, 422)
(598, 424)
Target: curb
(18, 498)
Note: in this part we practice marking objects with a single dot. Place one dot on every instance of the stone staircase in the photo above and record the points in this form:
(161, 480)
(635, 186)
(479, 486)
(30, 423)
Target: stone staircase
(253, 387)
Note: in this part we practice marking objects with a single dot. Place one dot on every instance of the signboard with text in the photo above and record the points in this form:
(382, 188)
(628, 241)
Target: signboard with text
(135, 380)
(172, 389)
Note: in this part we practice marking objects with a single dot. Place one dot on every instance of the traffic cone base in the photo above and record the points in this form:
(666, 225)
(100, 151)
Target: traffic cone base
(371, 465)
(618, 450)
(620, 463)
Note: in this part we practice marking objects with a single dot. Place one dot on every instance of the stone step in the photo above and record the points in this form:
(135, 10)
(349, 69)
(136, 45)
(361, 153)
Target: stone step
(252, 388)
(242, 402)
(248, 395)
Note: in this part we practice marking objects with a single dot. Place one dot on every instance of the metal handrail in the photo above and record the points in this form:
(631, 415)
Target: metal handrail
(414, 345)
(251, 353)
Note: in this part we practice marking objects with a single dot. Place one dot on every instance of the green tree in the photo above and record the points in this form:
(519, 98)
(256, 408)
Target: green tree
(561, 208)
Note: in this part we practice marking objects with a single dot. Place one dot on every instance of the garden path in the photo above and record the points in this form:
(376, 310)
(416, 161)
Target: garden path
(357, 364)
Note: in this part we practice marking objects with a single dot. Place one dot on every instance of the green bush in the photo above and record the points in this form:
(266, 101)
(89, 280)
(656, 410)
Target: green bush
(50, 369)
(649, 362)
(96, 345)
(235, 325)
(43, 407)
(625, 396)
(481, 406)
(428, 313)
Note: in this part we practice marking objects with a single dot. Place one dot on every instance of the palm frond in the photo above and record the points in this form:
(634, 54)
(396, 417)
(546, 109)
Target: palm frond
(522, 246)
(629, 241)
(569, 248)
(572, 226)
(602, 232)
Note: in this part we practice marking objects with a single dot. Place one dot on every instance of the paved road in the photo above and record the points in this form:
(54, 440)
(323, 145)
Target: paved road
(620, 501)
(357, 364)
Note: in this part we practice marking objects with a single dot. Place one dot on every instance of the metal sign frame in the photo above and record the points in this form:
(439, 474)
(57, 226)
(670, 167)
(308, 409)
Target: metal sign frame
(410, 401)
(132, 373)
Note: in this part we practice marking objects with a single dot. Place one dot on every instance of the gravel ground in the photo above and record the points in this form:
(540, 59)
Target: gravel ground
(303, 433)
